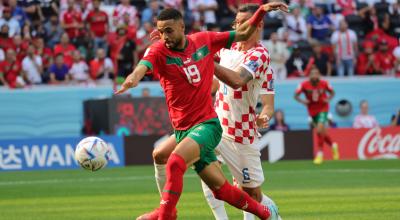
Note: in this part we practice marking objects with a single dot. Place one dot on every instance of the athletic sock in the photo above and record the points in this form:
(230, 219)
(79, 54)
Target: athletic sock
(328, 140)
(265, 201)
(175, 170)
(320, 141)
(241, 200)
(217, 206)
(159, 172)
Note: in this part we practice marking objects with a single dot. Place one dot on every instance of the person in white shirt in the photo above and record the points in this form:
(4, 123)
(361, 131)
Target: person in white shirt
(364, 120)
(278, 54)
(344, 42)
(204, 10)
(296, 25)
(33, 66)
(11, 22)
(79, 71)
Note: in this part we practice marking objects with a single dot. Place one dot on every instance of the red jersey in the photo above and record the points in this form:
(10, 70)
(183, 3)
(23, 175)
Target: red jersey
(71, 17)
(186, 76)
(98, 21)
(11, 71)
(66, 51)
(316, 96)
(386, 61)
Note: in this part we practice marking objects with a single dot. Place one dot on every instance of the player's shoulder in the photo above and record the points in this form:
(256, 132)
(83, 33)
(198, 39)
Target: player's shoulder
(259, 51)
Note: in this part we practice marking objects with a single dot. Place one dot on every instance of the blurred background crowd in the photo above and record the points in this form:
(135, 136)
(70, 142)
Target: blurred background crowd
(99, 42)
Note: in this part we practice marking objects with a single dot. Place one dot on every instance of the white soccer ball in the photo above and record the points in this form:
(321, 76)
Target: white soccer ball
(92, 153)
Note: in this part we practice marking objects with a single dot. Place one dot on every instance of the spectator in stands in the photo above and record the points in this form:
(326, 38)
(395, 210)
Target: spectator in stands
(386, 60)
(143, 38)
(177, 4)
(66, 48)
(17, 12)
(72, 22)
(364, 120)
(12, 23)
(58, 71)
(319, 25)
(127, 57)
(33, 11)
(49, 8)
(19, 47)
(320, 59)
(44, 52)
(11, 72)
(279, 122)
(145, 92)
(124, 8)
(367, 63)
(296, 64)
(395, 120)
(53, 31)
(296, 25)
(370, 20)
(304, 5)
(97, 21)
(32, 65)
(344, 42)
(348, 6)
(102, 68)
(5, 40)
(204, 10)
(79, 71)
(278, 55)
(394, 9)
(396, 54)
(150, 13)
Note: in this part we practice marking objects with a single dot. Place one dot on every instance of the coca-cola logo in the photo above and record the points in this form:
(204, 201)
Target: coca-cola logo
(374, 145)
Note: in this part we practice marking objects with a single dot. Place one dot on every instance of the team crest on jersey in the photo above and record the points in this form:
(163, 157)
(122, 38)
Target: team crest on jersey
(253, 65)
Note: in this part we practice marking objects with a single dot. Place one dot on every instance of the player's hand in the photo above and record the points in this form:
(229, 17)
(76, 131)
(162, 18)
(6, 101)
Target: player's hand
(128, 83)
(262, 121)
(155, 35)
(274, 6)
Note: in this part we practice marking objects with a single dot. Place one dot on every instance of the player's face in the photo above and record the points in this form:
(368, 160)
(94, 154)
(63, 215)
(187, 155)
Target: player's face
(314, 76)
(172, 32)
(242, 17)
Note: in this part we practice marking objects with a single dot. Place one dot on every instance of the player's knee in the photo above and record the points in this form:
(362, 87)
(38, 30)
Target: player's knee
(159, 156)
(254, 193)
(175, 164)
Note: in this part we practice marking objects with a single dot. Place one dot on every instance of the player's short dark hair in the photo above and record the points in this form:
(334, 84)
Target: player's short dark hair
(168, 14)
(251, 8)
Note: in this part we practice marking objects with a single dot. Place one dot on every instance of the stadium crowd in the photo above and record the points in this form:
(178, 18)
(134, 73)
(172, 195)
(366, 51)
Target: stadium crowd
(93, 41)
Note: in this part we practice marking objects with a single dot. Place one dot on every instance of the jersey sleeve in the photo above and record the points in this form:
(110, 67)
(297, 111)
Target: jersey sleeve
(219, 40)
(256, 62)
(149, 58)
(268, 84)
(328, 86)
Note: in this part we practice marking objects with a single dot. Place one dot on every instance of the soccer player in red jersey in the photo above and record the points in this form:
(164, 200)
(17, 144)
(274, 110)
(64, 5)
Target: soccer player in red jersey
(318, 93)
(185, 67)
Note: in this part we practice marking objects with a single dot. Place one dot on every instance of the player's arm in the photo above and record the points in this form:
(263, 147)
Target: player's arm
(245, 30)
(330, 91)
(297, 94)
(133, 79)
(234, 79)
(214, 87)
(267, 101)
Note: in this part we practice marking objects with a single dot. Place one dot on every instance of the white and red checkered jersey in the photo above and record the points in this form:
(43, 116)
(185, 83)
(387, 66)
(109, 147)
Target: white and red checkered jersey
(121, 10)
(236, 108)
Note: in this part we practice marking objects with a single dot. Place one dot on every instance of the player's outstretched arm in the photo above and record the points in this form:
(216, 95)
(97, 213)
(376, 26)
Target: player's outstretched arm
(234, 79)
(133, 79)
(245, 30)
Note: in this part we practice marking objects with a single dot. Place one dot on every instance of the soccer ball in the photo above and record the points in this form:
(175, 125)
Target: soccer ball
(92, 153)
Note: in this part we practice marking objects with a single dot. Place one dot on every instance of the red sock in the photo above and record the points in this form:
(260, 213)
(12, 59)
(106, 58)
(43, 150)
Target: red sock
(175, 170)
(241, 200)
(328, 139)
(320, 141)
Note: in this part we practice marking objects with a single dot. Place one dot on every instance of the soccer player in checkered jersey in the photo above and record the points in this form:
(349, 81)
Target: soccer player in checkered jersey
(185, 67)
(318, 93)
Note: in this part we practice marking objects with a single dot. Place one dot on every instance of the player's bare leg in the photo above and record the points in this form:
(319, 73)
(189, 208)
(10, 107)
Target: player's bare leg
(160, 156)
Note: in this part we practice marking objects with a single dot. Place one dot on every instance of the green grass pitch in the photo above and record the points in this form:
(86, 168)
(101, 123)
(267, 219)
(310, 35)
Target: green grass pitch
(333, 190)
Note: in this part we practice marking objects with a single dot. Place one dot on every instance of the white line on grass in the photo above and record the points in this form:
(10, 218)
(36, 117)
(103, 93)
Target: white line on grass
(129, 178)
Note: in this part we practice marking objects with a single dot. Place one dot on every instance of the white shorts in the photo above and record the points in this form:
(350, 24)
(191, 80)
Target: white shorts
(243, 161)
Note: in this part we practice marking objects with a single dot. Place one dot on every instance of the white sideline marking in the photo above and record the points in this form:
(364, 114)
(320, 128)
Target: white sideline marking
(109, 179)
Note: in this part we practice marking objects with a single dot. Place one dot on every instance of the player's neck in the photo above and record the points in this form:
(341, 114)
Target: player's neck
(182, 45)
(246, 45)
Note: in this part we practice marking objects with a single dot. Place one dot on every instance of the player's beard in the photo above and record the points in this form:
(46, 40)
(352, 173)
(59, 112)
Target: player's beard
(171, 44)
(314, 81)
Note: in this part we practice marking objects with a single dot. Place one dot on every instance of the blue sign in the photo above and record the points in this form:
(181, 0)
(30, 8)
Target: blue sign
(51, 153)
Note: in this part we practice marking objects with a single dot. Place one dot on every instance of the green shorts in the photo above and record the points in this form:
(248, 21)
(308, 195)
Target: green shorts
(322, 117)
(208, 135)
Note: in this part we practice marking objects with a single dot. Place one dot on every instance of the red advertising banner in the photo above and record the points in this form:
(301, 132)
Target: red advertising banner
(363, 144)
